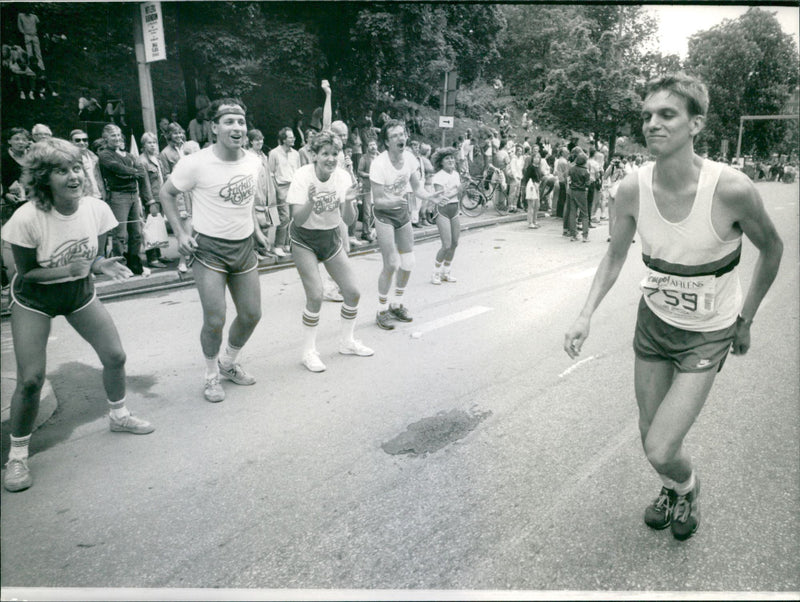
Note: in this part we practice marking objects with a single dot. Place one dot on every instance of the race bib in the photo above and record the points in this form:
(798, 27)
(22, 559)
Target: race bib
(686, 297)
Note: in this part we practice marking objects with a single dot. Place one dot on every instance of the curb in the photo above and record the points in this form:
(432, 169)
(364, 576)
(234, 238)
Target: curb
(47, 405)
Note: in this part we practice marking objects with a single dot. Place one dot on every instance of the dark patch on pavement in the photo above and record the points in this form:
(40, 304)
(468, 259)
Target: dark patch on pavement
(433, 433)
(81, 399)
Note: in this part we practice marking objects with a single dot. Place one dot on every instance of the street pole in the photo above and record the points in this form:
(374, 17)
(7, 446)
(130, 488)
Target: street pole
(443, 110)
(143, 69)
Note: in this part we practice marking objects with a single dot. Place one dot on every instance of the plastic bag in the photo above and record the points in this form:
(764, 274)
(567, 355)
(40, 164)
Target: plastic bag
(155, 232)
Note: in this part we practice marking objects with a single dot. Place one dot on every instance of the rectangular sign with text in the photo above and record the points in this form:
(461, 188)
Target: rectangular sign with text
(446, 121)
(153, 30)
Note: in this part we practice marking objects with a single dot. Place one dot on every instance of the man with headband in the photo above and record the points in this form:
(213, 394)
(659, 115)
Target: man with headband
(222, 179)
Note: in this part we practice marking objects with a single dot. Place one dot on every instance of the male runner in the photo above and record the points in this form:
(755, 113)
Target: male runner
(222, 179)
(690, 213)
(393, 174)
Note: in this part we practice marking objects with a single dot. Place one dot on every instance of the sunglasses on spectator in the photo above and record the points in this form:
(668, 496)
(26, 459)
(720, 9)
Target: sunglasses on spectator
(80, 140)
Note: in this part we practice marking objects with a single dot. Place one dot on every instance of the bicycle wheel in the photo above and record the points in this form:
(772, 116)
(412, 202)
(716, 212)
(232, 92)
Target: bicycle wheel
(473, 200)
(499, 202)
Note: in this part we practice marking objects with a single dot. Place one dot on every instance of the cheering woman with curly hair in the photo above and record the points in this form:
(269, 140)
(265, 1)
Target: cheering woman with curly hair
(56, 237)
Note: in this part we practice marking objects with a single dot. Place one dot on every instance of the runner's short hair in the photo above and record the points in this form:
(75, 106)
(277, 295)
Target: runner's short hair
(213, 109)
(391, 124)
(691, 89)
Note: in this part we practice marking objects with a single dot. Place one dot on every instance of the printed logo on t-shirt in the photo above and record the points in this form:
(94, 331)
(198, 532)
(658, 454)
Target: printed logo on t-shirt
(71, 249)
(398, 187)
(325, 201)
(239, 189)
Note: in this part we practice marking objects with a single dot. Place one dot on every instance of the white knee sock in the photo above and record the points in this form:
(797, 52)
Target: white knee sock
(310, 323)
(348, 323)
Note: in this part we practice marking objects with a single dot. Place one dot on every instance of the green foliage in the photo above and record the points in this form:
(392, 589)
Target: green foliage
(750, 67)
(594, 66)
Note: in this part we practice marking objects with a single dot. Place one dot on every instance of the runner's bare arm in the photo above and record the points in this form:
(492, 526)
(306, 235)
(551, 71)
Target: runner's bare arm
(168, 196)
(746, 208)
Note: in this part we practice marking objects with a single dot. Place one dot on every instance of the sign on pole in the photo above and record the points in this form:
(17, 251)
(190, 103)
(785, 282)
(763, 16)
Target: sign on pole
(447, 106)
(153, 30)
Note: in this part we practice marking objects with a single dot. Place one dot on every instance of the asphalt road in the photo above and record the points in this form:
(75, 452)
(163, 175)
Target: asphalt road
(470, 453)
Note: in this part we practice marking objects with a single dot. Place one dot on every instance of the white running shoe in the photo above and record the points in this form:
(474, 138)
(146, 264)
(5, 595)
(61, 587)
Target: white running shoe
(355, 347)
(436, 278)
(312, 361)
(279, 252)
(448, 277)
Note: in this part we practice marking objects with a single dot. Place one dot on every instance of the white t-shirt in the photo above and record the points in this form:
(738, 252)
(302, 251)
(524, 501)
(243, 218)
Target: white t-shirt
(59, 239)
(396, 182)
(223, 192)
(449, 183)
(328, 196)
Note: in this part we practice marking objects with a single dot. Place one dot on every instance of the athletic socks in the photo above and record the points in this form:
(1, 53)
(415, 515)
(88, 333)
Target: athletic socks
(19, 448)
(348, 322)
(310, 323)
(668, 483)
(446, 267)
(230, 355)
(212, 369)
(117, 409)
(686, 486)
(437, 266)
(398, 294)
(383, 302)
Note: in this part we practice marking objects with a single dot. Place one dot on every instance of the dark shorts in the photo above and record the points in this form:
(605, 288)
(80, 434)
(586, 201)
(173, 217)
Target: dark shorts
(449, 211)
(51, 300)
(689, 351)
(325, 244)
(396, 217)
(225, 256)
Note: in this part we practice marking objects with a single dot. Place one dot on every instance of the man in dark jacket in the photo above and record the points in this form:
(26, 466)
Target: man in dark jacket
(124, 184)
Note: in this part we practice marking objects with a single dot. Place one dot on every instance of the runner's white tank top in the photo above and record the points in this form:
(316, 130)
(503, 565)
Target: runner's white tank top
(692, 281)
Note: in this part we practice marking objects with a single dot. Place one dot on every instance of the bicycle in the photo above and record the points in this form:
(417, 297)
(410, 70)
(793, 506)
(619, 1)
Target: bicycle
(479, 192)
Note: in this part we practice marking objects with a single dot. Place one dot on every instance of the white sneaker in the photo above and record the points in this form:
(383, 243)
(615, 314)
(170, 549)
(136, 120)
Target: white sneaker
(436, 278)
(312, 361)
(448, 277)
(354, 242)
(355, 347)
(279, 252)
(182, 267)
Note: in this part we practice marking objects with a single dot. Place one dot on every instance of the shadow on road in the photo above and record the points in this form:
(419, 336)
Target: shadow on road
(81, 399)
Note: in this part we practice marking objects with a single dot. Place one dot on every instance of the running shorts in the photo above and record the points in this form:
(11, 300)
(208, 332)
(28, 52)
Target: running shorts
(51, 300)
(450, 210)
(325, 244)
(397, 218)
(689, 351)
(225, 256)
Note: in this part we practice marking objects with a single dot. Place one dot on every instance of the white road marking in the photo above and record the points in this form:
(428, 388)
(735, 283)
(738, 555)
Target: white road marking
(576, 364)
(448, 320)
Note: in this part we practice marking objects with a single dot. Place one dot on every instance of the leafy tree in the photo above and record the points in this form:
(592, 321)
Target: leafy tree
(402, 50)
(750, 67)
(529, 44)
(591, 86)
